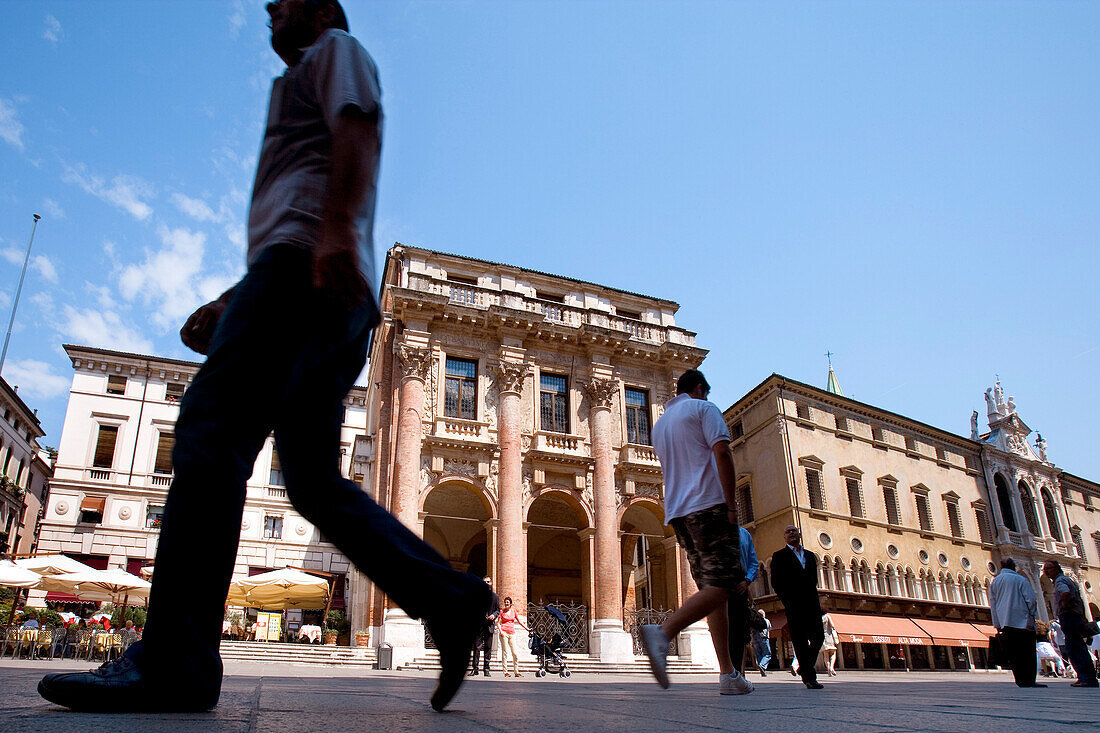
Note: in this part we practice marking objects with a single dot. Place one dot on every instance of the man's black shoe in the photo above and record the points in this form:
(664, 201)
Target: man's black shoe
(486, 673)
(455, 635)
(1082, 683)
(815, 686)
(763, 673)
(116, 687)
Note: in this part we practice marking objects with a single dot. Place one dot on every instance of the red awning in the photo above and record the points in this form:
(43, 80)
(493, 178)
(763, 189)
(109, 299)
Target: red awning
(93, 504)
(878, 629)
(56, 597)
(953, 633)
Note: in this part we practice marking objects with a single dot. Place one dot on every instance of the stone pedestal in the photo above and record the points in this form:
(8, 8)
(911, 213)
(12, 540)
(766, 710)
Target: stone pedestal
(404, 634)
(695, 644)
(610, 642)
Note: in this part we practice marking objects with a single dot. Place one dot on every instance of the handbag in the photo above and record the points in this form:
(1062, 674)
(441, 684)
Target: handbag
(757, 622)
(997, 650)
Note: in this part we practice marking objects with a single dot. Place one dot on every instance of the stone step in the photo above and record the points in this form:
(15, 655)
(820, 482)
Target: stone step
(258, 651)
(579, 663)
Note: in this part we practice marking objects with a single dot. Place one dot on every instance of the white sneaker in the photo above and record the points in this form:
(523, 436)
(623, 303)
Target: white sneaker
(655, 644)
(734, 684)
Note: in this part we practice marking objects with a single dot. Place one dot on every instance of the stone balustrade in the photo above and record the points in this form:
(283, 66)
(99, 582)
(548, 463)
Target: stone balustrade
(460, 429)
(641, 454)
(548, 442)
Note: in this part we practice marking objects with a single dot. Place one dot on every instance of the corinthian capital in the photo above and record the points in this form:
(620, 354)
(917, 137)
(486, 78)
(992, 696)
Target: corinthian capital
(416, 361)
(511, 375)
(602, 391)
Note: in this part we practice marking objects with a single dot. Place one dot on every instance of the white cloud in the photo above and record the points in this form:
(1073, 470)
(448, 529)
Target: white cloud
(168, 279)
(105, 329)
(35, 378)
(42, 265)
(195, 208)
(103, 295)
(11, 129)
(237, 19)
(53, 209)
(125, 192)
(53, 32)
(39, 263)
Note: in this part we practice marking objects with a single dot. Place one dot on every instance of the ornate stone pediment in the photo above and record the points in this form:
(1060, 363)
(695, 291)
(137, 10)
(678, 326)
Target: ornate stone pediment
(602, 391)
(510, 376)
(416, 361)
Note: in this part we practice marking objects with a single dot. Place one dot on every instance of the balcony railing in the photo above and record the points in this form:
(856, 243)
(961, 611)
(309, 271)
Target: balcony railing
(99, 474)
(643, 454)
(160, 479)
(560, 443)
(460, 429)
(477, 297)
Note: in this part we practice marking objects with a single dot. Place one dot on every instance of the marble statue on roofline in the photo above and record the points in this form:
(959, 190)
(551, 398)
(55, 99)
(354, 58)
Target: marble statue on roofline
(974, 425)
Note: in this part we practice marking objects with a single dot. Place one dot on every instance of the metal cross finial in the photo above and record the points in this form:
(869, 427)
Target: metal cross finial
(829, 356)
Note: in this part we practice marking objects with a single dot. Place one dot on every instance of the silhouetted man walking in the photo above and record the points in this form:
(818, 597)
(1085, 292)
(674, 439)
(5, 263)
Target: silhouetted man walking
(794, 577)
(283, 347)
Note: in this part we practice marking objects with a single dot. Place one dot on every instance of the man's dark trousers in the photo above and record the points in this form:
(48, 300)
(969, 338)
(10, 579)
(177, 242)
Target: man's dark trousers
(807, 636)
(281, 359)
(737, 611)
(484, 646)
(1078, 652)
(1019, 650)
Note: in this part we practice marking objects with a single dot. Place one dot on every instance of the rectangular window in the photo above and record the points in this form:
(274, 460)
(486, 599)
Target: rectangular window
(1096, 541)
(1080, 542)
(165, 443)
(855, 496)
(954, 519)
(815, 488)
(275, 478)
(116, 384)
(553, 403)
(984, 533)
(637, 416)
(878, 435)
(461, 279)
(460, 391)
(273, 528)
(745, 512)
(105, 447)
(911, 444)
(924, 512)
(173, 392)
(890, 499)
(803, 411)
(842, 425)
(633, 315)
(153, 516)
(737, 430)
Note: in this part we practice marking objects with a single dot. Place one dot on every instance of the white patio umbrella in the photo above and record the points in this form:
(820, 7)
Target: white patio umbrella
(14, 576)
(279, 590)
(98, 585)
(52, 564)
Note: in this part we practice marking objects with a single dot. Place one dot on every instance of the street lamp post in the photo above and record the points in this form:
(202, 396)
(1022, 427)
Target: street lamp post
(19, 290)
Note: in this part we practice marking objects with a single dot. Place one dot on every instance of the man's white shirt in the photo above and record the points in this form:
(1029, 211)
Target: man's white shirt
(684, 438)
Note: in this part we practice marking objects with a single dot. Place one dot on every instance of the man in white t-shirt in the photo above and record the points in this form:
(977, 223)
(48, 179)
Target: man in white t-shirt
(693, 445)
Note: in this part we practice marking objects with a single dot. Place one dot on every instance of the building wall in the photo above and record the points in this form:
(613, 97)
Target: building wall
(27, 466)
(132, 488)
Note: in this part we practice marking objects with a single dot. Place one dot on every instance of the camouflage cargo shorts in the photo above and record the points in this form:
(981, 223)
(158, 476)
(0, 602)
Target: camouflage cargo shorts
(713, 546)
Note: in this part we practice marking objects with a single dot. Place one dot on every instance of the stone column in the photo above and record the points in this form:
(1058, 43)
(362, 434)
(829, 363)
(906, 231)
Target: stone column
(403, 633)
(511, 562)
(609, 640)
(417, 363)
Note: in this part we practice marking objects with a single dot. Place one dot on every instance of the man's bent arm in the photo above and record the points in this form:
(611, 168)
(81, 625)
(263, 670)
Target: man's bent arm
(355, 151)
(723, 459)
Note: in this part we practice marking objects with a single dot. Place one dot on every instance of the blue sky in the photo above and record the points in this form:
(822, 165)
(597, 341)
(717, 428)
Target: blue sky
(912, 186)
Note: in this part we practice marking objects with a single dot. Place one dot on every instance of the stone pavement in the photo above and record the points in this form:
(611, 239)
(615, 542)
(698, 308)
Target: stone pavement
(308, 698)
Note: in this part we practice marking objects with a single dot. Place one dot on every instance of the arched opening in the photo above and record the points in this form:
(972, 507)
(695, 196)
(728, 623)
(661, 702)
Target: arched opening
(950, 590)
(891, 582)
(880, 580)
(839, 579)
(1004, 501)
(555, 553)
(454, 514)
(824, 576)
(1028, 502)
(866, 585)
(910, 583)
(649, 578)
(1052, 515)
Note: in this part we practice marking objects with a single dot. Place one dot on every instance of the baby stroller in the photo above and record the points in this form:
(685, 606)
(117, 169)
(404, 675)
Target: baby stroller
(549, 651)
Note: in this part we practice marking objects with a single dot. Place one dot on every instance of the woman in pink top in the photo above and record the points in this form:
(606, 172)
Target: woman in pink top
(508, 619)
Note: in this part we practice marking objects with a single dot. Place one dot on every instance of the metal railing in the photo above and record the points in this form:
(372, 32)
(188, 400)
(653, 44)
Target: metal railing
(633, 621)
(575, 633)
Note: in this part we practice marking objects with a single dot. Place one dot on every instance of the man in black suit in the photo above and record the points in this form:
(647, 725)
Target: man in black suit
(794, 577)
(484, 643)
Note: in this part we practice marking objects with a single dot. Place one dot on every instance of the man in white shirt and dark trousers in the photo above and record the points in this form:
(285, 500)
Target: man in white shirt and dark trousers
(692, 443)
(1012, 606)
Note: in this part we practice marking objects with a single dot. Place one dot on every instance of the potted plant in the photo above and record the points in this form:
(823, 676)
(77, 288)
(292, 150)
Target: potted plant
(335, 624)
(362, 638)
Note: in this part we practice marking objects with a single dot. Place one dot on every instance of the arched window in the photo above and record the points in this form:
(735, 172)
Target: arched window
(825, 576)
(1030, 517)
(1005, 503)
(891, 582)
(968, 587)
(910, 583)
(1051, 510)
(880, 580)
(985, 592)
(839, 579)
(951, 592)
